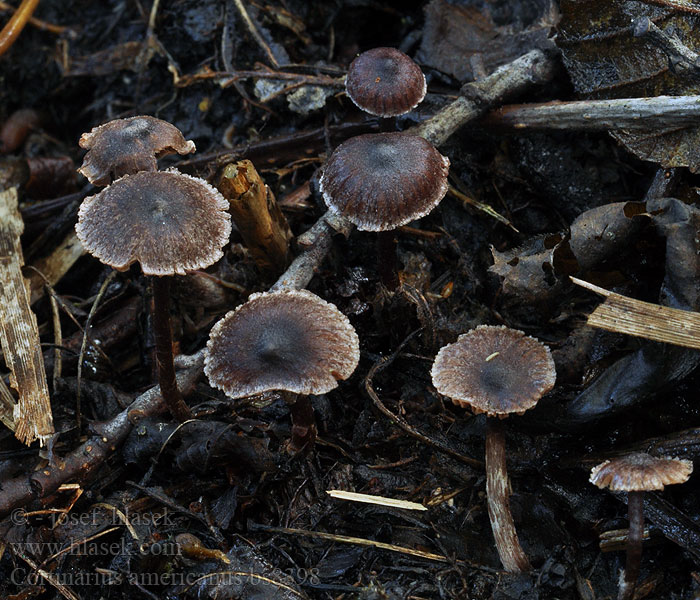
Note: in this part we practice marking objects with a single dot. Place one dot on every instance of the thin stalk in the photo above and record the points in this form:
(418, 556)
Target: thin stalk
(635, 512)
(164, 350)
(303, 422)
(497, 492)
(387, 259)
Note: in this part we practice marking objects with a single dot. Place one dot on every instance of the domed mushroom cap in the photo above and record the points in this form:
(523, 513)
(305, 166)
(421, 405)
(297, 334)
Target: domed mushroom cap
(127, 146)
(495, 370)
(640, 472)
(385, 82)
(292, 341)
(169, 222)
(381, 181)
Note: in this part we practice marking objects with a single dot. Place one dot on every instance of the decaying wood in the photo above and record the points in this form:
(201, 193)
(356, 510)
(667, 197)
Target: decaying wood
(19, 332)
(643, 319)
(257, 216)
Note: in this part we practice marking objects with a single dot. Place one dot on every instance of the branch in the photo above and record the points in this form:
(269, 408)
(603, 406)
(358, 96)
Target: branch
(661, 112)
(533, 68)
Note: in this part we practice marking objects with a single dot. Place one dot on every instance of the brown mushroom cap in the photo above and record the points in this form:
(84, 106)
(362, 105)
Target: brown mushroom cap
(495, 370)
(385, 82)
(127, 146)
(640, 472)
(381, 181)
(291, 341)
(169, 222)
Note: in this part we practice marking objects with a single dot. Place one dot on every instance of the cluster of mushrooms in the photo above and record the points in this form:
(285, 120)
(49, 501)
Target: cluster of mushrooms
(297, 344)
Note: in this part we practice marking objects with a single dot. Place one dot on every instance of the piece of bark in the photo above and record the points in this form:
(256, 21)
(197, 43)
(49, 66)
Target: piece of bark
(19, 333)
(262, 225)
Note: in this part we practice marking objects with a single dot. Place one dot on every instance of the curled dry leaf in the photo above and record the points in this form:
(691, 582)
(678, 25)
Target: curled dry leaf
(532, 273)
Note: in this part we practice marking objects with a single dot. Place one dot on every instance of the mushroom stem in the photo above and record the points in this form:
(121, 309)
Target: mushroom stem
(635, 512)
(164, 350)
(387, 260)
(303, 421)
(497, 492)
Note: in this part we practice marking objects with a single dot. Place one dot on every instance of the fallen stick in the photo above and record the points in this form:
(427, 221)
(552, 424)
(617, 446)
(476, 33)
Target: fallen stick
(661, 112)
(533, 68)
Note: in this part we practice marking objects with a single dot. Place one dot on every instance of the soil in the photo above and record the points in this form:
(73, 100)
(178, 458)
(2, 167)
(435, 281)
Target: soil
(263, 523)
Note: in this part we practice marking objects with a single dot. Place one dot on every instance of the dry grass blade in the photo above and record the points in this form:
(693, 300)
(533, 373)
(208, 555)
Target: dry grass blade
(19, 333)
(380, 500)
(482, 207)
(643, 319)
(347, 539)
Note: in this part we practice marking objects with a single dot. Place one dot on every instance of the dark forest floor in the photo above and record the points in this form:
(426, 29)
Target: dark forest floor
(249, 500)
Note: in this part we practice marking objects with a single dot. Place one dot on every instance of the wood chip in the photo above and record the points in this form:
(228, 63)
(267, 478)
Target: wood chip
(19, 333)
(643, 319)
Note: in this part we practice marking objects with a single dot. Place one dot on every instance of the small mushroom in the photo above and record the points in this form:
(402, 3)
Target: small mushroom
(385, 82)
(382, 181)
(288, 341)
(171, 224)
(127, 146)
(497, 371)
(635, 474)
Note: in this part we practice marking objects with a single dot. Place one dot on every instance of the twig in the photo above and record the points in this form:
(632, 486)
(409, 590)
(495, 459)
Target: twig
(65, 591)
(84, 343)
(346, 539)
(400, 421)
(82, 461)
(679, 55)
(317, 242)
(481, 206)
(533, 68)
(660, 112)
(280, 149)
(38, 23)
(14, 26)
(255, 33)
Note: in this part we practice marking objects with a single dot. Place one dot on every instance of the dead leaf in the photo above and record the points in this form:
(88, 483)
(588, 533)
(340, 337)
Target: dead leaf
(606, 60)
(464, 41)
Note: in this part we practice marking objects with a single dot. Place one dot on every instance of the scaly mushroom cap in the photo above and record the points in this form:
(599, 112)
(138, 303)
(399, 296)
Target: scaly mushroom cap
(169, 222)
(385, 82)
(494, 370)
(640, 472)
(127, 146)
(381, 181)
(290, 341)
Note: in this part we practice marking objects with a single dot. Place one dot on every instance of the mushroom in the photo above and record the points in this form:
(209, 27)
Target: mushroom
(635, 474)
(385, 82)
(171, 224)
(127, 146)
(381, 181)
(498, 371)
(288, 341)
